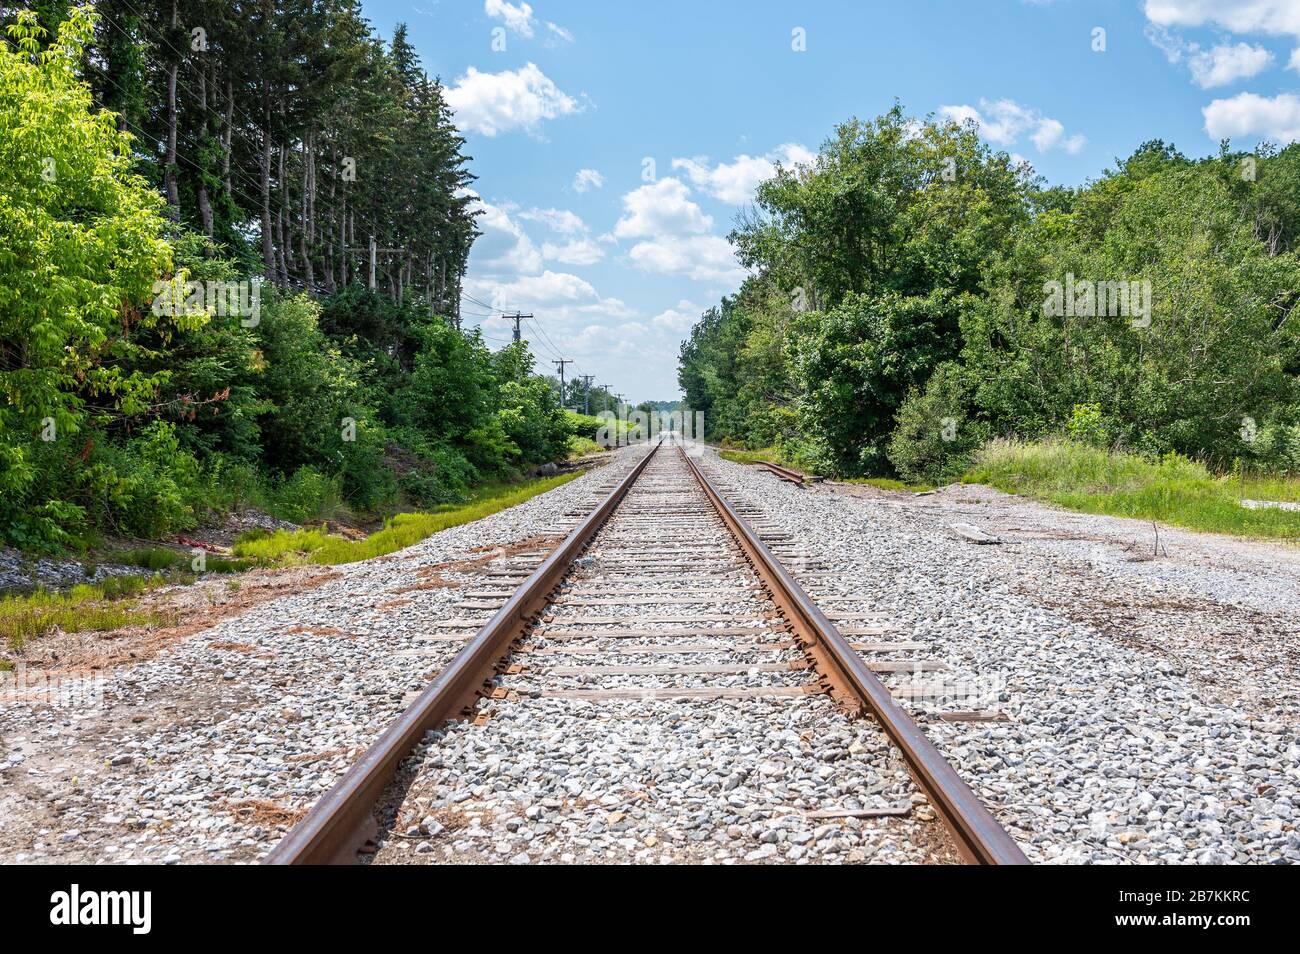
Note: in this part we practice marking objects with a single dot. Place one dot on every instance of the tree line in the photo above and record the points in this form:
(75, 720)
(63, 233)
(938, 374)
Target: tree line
(150, 155)
(914, 293)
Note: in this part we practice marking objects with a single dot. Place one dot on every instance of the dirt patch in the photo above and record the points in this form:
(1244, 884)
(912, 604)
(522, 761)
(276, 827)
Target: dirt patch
(1195, 634)
(494, 552)
(433, 583)
(450, 818)
(318, 631)
(201, 605)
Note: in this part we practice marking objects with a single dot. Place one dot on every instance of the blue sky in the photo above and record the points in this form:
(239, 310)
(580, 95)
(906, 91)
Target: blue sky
(564, 103)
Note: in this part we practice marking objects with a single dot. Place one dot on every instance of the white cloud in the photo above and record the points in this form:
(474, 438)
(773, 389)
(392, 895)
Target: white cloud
(503, 245)
(520, 20)
(661, 208)
(580, 251)
(492, 103)
(1004, 121)
(1240, 16)
(562, 302)
(702, 257)
(1170, 44)
(559, 31)
(1247, 115)
(1295, 60)
(1225, 64)
(1217, 66)
(734, 182)
(587, 179)
(548, 288)
(679, 319)
(557, 220)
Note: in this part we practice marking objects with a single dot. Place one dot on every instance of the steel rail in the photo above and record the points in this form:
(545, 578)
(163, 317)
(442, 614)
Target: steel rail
(978, 836)
(342, 821)
(785, 473)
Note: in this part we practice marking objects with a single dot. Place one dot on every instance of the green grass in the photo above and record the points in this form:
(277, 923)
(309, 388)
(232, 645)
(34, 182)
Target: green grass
(1173, 490)
(150, 558)
(89, 607)
(889, 483)
(1268, 488)
(161, 558)
(316, 546)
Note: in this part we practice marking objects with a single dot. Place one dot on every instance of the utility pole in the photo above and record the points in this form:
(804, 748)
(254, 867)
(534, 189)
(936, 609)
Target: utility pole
(605, 390)
(561, 362)
(518, 318)
(586, 393)
(375, 251)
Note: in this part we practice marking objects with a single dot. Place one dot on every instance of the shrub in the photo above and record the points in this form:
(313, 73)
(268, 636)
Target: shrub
(302, 496)
(1087, 425)
(148, 488)
(934, 437)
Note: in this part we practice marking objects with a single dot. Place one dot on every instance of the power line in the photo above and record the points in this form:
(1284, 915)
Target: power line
(545, 342)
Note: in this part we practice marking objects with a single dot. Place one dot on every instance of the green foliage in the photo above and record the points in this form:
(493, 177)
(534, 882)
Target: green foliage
(147, 488)
(867, 259)
(118, 420)
(1214, 349)
(935, 436)
(1087, 425)
(909, 274)
(857, 361)
(79, 251)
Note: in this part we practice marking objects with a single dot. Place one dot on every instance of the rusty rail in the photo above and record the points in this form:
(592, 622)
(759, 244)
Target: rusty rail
(340, 824)
(978, 836)
(787, 473)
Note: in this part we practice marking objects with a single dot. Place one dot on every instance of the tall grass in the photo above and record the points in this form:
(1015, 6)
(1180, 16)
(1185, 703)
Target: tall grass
(404, 530)
(89, 607)
(1173, 490)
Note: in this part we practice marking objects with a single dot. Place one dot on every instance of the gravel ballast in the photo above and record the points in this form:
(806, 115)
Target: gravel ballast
(208, 750)
(1151, 703)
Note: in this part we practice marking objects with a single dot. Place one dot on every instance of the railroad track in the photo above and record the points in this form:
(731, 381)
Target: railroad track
(663, 594)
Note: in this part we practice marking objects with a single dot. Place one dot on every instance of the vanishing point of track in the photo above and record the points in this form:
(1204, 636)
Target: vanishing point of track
(671, 526)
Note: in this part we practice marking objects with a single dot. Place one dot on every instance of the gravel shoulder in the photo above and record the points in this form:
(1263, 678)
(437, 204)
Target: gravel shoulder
(1150, 702)
(207, 750)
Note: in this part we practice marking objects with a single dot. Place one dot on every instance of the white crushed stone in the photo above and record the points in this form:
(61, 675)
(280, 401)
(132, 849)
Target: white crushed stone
(151, 773)
(1152, 702)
